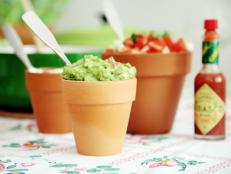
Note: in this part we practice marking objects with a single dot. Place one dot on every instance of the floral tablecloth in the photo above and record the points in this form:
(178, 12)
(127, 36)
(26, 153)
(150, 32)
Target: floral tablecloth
(24, 150)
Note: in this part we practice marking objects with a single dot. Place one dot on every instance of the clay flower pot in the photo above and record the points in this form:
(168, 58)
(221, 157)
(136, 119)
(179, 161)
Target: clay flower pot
(160, 79)
(24, 32)
(100, 112)
(47, 101)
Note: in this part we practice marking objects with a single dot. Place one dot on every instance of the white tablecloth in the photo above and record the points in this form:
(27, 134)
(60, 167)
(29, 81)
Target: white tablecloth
(24, 150)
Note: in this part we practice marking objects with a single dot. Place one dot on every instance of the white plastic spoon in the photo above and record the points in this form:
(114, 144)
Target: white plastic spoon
(16, 43)
(41, 30)
(114, 20)
(27, 6)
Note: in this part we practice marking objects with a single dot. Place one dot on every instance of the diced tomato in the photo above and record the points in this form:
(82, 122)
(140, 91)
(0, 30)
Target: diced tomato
(152, 50)
(160, 41)
(155, 46)
(140, 41)
(153, 43)
(168, 41)
(140, 37)
(128, 43)
(150, 38)
(179, 46)
(145, 49)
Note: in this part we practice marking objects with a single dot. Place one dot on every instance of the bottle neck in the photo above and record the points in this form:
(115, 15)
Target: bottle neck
(210, 68)
(210, 54)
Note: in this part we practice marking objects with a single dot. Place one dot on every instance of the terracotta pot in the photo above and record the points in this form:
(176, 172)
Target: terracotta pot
(100, 113)
(160, 78)
(24, 33)
(47, 101)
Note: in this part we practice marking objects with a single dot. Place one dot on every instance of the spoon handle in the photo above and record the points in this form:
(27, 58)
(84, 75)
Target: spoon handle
(40, 29)
(113, 18)
(16, 43)
(27, 6)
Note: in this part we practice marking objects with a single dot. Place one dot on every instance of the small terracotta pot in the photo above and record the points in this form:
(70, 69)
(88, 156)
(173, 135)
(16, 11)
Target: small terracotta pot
(47, 101)
(24, 33)
(160, 78)
(100, 113)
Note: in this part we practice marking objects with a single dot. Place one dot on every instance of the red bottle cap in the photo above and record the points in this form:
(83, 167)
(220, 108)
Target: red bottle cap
(211, 24)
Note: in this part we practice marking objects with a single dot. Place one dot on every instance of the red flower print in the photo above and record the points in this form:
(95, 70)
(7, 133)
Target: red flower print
(2, 167)
(155, 165)
(27, 165)
(31, 145)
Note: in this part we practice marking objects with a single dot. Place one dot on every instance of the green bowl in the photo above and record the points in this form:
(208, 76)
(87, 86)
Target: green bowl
(13, 92)
(100, 36)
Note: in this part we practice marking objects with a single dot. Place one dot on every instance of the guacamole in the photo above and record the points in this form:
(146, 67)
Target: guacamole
(92, 68)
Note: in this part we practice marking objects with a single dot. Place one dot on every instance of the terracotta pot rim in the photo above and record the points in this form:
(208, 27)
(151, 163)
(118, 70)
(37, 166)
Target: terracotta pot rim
(43, 82)
(46, 72)
(95, 93)
(146, 54)
(99, 82)
(156, 65)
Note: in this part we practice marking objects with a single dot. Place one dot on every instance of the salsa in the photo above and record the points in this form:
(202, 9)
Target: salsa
(151, 43)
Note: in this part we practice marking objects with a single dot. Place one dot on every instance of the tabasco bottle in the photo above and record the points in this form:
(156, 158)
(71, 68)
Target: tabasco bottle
(209, 88)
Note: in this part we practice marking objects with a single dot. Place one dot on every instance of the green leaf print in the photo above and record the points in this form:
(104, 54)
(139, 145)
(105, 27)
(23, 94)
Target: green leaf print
(5, 161)
(46, 147)
(183, 166)
(71, 165)
(93, 170)
(193, 162)
(17, 170)
(112, 169)
(58, 165)
(70, 172)
(13, 145)
(146, 162)
(103, 167)
(38, 141)
(11, 166)
(31, 145)
(16, 127)
(107, 168)
(64, 165)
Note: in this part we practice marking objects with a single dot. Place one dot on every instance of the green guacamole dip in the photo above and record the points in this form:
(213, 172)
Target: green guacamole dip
(92, 68)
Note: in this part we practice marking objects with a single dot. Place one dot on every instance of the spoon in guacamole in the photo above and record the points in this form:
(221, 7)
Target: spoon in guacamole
(41, 30)
(114, 21)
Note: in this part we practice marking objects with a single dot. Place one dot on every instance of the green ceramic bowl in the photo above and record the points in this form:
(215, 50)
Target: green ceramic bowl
(13, 92)
(100, 36)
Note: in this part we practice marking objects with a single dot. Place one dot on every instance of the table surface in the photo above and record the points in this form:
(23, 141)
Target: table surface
(24, 150)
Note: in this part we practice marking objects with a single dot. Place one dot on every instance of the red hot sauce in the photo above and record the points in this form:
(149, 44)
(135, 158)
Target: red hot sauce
(209, 88)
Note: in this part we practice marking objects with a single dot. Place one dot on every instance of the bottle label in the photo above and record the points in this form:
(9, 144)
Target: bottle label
(210, 52)
(209, 109)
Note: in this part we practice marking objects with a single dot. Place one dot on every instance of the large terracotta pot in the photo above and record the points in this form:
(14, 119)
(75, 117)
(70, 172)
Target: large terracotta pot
(100, 113)
(47, 101)
(160, 79)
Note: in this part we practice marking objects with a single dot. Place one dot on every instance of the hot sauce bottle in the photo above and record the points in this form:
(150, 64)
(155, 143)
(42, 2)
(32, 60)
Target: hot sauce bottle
(209, 89)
